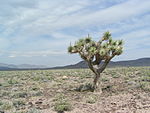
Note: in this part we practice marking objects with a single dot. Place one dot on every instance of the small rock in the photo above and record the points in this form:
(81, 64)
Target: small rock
(30, 103)
(64, 77)
(137, 72)
(15, 89)
(38, 102)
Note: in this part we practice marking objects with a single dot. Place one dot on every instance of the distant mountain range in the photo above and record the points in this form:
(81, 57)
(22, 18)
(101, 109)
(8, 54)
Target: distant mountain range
(20, 67)
(128, 63)
(82, 64)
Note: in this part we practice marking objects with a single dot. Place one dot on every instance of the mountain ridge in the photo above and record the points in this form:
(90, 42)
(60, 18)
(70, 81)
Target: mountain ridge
(126, 63)
(81, 64)
(4, 66)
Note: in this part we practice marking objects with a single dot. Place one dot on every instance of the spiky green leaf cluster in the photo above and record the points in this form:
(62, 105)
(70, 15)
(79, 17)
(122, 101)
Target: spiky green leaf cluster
(105, 48)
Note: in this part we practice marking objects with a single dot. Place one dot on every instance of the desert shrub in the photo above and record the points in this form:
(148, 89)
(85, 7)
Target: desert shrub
(33, 110)
(6, 84)
(4, 93)
(61, 104)
(18, 103)
(91, 99)
(115, 75)
(13, 81)
(20, 95)
(20, 112)
(104, 79)
(5, 105)
(42, 78)
(1, 103)
(145, 86)
(36, 93)
(145, 78)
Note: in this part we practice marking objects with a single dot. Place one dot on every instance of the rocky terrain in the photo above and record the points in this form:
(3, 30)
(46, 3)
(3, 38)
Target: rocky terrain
(124, 90)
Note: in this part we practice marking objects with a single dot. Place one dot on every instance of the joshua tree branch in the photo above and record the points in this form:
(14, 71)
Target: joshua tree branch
(101, 68)
(91, 66)
(97, 60)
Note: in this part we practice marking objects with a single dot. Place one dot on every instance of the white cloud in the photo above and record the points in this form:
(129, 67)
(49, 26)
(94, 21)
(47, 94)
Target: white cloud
(38, 27)
(58, 15)
(13, 54)
(109, 15)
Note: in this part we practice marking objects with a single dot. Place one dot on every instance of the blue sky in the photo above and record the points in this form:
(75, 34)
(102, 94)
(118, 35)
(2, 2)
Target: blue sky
(39, 31)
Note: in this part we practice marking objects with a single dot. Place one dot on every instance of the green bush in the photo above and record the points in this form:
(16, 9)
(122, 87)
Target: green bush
(145, 86)
(91, 99)
(5, 105)
(12, 81)
(62, 104)
(18, 103)
(20, 95)
(33, 110)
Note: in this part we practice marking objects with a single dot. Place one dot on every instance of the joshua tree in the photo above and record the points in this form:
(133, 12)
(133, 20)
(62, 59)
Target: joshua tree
(97, 54)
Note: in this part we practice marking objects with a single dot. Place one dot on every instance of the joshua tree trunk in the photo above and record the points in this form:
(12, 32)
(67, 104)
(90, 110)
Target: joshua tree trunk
(95, 82)
(96, 77)
(97, 70)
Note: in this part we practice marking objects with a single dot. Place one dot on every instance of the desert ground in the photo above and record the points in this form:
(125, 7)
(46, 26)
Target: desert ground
(124, 90)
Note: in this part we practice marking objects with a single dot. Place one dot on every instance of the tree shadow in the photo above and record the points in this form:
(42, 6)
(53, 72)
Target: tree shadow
(85, 87)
